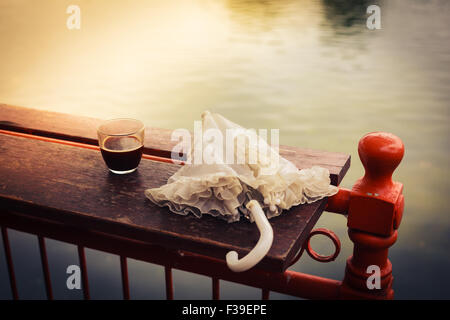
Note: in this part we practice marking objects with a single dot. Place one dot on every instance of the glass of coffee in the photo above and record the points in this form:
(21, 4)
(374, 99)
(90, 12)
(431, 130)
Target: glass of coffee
(121, 142)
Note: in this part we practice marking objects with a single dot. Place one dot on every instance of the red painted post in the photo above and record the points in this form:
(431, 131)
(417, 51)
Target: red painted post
(374, 207)
(45, 268)
(215, 288)
(84, 275)
(265, 294)
(169, 282)
(124, 273)
(9, 263)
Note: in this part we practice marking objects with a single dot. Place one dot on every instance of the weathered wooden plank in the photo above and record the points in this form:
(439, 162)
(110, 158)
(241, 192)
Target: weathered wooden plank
(337, 163)
(158, 141)
(74, 128)
(71, 185)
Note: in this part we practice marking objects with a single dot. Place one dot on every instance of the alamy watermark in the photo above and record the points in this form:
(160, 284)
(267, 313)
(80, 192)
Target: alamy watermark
(231, 146)
(374, 280)
(374, 20)
(74, 20)
(74, 280)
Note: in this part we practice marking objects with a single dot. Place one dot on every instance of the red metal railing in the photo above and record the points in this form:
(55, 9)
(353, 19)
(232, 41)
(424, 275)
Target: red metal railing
(9, 263)
(290, 282)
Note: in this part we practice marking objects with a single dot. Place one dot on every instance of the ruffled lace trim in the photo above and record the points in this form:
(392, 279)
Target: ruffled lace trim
(225, 196)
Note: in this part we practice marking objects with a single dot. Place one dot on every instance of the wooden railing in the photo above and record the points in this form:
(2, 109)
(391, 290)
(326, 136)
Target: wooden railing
(54, 185)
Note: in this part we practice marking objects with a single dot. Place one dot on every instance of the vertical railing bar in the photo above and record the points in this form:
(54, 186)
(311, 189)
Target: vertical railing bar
(84, 275)
(169, 283)
(124, 271)
(45, 269)
(265, 293)
(215, 288)
(9, 262)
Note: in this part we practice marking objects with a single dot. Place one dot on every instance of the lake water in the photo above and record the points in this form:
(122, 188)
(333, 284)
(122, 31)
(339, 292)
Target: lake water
(309, 68)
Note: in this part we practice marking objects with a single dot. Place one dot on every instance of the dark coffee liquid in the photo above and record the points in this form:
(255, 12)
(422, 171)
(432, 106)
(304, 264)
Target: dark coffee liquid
(122, 153)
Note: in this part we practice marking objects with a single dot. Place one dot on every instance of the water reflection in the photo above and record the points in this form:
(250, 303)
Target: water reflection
(343, 14)
(310, 68)
(258, 15)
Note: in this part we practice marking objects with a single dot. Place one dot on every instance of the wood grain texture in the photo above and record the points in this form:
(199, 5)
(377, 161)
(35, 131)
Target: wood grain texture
(157, 142)
(71, 185)
(74, 128)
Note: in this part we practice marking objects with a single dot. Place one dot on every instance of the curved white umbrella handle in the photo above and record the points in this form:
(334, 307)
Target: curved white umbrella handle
(262, 246)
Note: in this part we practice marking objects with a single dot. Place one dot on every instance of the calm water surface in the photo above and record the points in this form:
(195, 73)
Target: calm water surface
(310, 68)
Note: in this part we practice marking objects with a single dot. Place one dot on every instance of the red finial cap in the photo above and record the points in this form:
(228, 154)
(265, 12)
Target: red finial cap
(376, 203)
(380, 153)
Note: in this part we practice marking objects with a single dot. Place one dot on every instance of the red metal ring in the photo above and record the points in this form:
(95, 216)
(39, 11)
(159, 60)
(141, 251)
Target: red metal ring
(328, 233)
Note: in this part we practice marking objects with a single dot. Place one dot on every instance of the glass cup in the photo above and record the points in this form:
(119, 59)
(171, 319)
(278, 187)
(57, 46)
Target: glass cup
(121, 143)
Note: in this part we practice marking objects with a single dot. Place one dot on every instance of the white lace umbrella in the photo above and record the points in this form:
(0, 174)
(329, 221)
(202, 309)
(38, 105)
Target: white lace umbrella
(232, 172)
